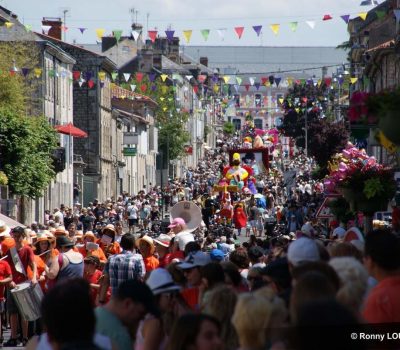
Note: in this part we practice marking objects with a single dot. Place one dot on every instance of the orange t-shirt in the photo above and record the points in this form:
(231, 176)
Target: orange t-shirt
(191, 297)
(113, 249)
(98, 252)
(383, 302)
(7, 244)
(151, 263)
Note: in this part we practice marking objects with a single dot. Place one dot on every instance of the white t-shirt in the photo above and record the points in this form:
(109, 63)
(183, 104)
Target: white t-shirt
(133, 211)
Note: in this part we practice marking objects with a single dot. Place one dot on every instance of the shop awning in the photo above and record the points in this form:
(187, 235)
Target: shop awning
(71, 130)
(10, 222)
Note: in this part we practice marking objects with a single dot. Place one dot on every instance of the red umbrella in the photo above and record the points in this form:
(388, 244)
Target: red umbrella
(71, 130)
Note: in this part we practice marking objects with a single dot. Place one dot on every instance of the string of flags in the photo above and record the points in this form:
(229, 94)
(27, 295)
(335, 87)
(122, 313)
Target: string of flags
(205, 33)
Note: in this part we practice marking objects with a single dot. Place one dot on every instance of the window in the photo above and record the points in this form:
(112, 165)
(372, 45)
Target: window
(258, 123)
(237, 123)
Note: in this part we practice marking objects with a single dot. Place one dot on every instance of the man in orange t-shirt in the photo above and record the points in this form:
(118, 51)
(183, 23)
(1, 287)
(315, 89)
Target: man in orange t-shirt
(382, 259)
(147, 248)
(6, 242)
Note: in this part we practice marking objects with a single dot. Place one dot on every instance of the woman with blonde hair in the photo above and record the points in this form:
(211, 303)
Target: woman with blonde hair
(354, 282)
(254, 316)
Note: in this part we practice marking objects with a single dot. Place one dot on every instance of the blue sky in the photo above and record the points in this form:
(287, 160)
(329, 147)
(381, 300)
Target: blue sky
(200, 14)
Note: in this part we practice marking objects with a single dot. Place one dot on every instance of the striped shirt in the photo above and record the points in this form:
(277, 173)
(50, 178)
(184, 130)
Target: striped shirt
(123, 267)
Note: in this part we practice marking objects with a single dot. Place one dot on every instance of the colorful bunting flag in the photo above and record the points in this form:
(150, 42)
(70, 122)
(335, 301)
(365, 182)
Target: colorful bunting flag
(135, 34)
(139, 77)
(252, 80)
(28, 27)
(195, 89)
(170, 34)
(226, 79)
(289, 81)
(8, 24)
(264, 80)
(202, 78)
(280, 100)
(153, 87)
(117, 34)
(216, 88)
(90, 84)
(82, 30)
(25, 71)
(164, 77)
(143, 87)
(162, 99)
(152, 35)
(257, 29)
(247, 86)
(275, 28)
(328, 81)
(189, 77)
(81, 82)
(380, 14)
(293, 26)
(114, 75)
(205, 33)
(46, 29)
(133, 87)
(127, 76)
(102, 76)
(164, 89)
(345, 18)
(277, 81)
(152, 77)
(363, 15)
(327, 18)
(236, 87)
(353, 80)
(239, 31)
(257, 85)
(100, 32)
(221, 33)
(76, 74)
(187, 34)
(311, 24)
(239, 80)
(37, 72)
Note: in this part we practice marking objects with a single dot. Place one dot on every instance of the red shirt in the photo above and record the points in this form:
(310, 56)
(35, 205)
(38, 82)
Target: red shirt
(27, 257)
(383, 302)
(165, 260)
(95, 280)
(5, 271)
(191, 297)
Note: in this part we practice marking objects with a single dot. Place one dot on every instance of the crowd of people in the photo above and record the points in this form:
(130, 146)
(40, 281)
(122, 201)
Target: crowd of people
(260, 272)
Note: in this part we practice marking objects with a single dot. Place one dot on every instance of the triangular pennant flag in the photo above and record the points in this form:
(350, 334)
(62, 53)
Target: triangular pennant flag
(46, 29)
(51, 73)
(189, 77)
(165, 108)
(170, 34)
(195, 89)
(100, 32)
(81, 82)
(37, 72)
(215, 78)
(252, 80)
(162, 98)
(226, 88)
(275, 28)
(280, 100)
(127, 76)
(90, 84)
(239, 31)
(302, 81)
(8, 24)
(76, 74)
(226, 79)
(64, 29)
(102, 76)
(257, 85)
(236, 88)
(152, 77)
(205, 89)
(345, 18)
(239, 80)
(28, 27)
(117, 34)
(82, 30)
(297, 110)
(363, 15)
(164, 77)
(135, 34)
(216, 88)
(247, 86)
(257, 29)
(114, 75)
(221, 33)
(289, 81)
(380, 14)
(397, 14)
(187, 34)
(277, 81)
(25, 71)
(139, 77)
(319, 82)
(88, 76)
(311, 24)
(353, 80)
(205, 33)
(264, 80)
(328, 81)
(327, 18)
(143, 87)
(153, 87)
(293, 26)
(152, 35)
(202, 78)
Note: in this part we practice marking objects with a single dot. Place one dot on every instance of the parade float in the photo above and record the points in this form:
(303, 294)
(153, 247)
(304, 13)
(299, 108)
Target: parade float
(364, 183)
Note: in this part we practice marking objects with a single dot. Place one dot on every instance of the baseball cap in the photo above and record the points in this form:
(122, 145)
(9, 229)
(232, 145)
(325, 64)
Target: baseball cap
(217, 255)
(163, 240)
(301, 250)
(176, 222)
(194, 260)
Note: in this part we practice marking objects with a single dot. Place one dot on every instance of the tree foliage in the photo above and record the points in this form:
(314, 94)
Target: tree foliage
(26, 141)
(229, 128)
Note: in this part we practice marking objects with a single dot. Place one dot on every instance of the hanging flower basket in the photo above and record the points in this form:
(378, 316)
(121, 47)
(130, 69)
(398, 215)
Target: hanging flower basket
(389, 123)
(359, 202)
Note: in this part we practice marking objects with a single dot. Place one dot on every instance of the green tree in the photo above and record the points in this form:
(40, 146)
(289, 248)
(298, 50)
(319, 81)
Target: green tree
(229, 128)
(26, 141)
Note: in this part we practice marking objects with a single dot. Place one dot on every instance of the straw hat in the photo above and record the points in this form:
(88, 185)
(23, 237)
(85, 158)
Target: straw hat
(4, 229)
(149, 241)
(60, 231)
(109, 227)
(89, 234)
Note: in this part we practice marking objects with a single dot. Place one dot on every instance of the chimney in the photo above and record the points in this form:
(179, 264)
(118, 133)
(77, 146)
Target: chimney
(55, 23)
(204, 61)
